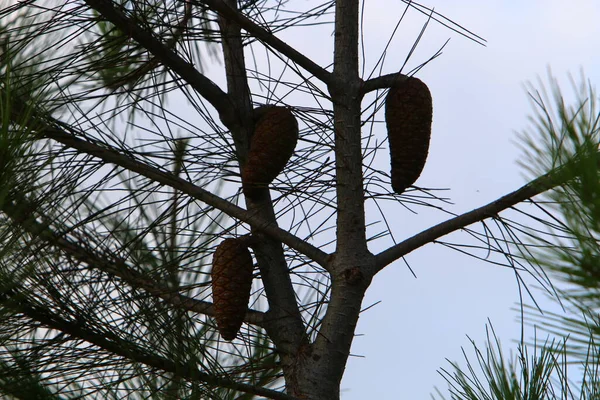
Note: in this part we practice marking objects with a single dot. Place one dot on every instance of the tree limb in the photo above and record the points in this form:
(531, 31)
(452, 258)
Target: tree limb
(350, 222)
(22, 213)
(204, 86)
(285, 326)
(112, 343)
(265, 36)
(59, 132)
(381, 82)
(237, 86)
(537, 186)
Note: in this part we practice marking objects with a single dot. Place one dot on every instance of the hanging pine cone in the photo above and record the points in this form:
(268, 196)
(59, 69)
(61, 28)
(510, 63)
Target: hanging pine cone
(231, 283)
(408, 115)
(271, 146)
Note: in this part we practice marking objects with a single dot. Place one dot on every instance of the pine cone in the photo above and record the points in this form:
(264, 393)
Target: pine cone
(271, 146)
(231, 284)
(408, 115)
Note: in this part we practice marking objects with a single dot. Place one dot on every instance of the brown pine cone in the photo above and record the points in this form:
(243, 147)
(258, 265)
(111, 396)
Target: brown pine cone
(231, 284)
(271, 146)
(408, 116)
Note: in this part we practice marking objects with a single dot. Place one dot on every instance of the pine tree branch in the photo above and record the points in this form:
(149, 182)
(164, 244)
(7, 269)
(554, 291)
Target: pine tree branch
(237, 85)
(204, 86)
(554, 178)
(381, 82)
(67, 136)
(267, 37)
(23, 211)
(50, 128)
(152, 63)
(112, 343)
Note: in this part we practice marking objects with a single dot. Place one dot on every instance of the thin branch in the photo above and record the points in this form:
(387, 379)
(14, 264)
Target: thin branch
(537, 186)
(116, 267)
(382, 82)
(116, 345)
(204, 86)
(151, 64)
(265, 36)
(237, 85)
(59, 132)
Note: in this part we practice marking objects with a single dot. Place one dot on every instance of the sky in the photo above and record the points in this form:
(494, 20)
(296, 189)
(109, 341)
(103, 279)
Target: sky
(480, 104)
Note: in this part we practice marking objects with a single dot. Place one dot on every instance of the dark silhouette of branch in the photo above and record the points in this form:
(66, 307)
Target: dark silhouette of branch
(265, 36)
(381, 82)
(60, 133)
(537, 186)
(112, 343)
(22, 212)
(286, 327)
(204, 86)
